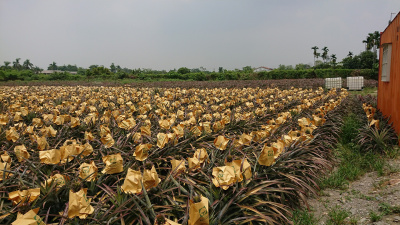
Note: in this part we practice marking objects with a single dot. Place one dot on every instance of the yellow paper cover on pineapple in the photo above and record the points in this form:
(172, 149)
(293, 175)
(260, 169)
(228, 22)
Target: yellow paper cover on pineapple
(194, 163)
(179, 130)
(221, 142)
(150, 178)
(107, 141)
(223, 176)
(201, 154)
(59, 179)
(267, 156)
(75, 122)
(198, 212)
(374, 122)
(145, 130)
(132, 183)
(178, 166)
(236, 164)
(12, 134)
(113, 164)
(162, 140)
(142, 151)
(29, 218)
(89, 136)
(29, 195)
(88, 171)
(104, 130)
(50, 156)
(79, 204)
(245, 139)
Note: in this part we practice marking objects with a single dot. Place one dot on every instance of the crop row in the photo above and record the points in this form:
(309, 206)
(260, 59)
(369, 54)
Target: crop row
(169, 155)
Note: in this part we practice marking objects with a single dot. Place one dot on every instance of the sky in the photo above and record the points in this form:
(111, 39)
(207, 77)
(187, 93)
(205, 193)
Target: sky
(168, 34)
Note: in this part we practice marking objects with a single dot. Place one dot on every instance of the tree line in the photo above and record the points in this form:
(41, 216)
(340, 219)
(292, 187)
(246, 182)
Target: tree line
(365, 60)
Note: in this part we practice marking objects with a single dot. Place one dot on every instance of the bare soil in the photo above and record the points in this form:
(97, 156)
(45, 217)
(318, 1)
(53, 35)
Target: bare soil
(362, 197)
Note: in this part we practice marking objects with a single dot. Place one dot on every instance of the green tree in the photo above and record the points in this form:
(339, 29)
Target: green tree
(350, 55)
(183, 70)
(91, 67)
(333, 57)
(367, 60)
(52, 66)
(247, 69)
(7, 65)
(96, 71)
(283, 67)
(325, 55)
(36, 69)
(302, 66)
(316, 54)
(369, 42)
(16, 64)
(195, 70)
(119, 68)
(113, 69)
(27, 65)
(376, 36)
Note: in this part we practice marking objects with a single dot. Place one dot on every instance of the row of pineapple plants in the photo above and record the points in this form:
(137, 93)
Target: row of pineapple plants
(160, 186)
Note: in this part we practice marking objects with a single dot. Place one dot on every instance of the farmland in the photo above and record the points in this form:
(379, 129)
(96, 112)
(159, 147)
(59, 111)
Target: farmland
(145, 155)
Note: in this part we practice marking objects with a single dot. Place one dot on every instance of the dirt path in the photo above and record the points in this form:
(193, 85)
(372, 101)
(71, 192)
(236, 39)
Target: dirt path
(364, 200)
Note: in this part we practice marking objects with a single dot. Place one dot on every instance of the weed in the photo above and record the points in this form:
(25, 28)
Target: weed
(375, 216)
(387, 209)
(353, 221)
(337, 216)
(303, 217)
(350, 128)
(365, 91)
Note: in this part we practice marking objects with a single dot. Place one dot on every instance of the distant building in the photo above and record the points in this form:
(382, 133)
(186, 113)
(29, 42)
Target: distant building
(57, 71)
(389, 73)
(262, 68)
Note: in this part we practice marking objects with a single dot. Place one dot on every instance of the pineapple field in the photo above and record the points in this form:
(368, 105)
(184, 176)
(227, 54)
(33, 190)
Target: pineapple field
(136, 155)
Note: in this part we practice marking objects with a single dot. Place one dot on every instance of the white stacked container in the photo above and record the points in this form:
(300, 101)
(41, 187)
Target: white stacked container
(333, 82)
(355, 83)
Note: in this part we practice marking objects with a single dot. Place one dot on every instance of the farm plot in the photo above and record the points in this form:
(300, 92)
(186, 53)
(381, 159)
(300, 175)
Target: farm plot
(124, 155)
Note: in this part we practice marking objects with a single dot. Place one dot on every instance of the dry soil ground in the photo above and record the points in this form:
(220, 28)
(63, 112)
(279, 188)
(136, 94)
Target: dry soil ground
(363, 198)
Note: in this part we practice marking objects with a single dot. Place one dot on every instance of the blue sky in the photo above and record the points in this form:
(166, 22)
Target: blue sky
(168, 34)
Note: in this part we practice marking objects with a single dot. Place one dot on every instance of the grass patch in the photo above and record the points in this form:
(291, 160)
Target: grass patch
(374, 217)
(387, 209)
(349, 130)
(303, 217)
(353, 163)
(365, 91)
(337, 216)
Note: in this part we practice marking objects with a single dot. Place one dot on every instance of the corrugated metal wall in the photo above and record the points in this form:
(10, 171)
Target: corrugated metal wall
(389, 92)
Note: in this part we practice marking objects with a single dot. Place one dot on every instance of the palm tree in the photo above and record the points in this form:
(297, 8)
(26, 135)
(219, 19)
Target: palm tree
(27, 65)
(369, 42)
(52, 66)
(350, 55)
(6, 65)
(316, 54)
(376, 36)
(377, 39)
(333, 57)
(37, 69)
(325, 54)
(16, 64)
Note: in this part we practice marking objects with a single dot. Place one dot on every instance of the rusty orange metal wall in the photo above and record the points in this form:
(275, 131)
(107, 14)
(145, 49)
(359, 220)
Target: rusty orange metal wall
(389, 92)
